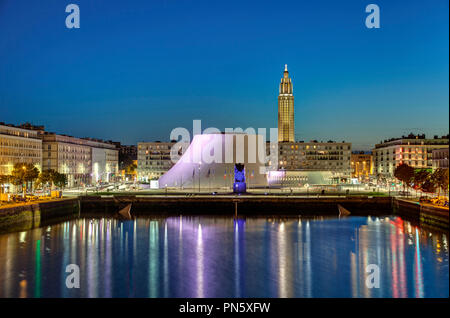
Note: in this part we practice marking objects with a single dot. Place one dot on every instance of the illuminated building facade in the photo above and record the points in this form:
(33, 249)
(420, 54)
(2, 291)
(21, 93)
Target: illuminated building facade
(416, 151)
(83, 161)
(153, 159)
(361, 165)
(67, 155)
(286, 109)
(105, 160)
(440, 158)
(299, 159)
(19, 145)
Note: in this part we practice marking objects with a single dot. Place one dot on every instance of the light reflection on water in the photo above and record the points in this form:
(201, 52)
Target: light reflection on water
(222, 257)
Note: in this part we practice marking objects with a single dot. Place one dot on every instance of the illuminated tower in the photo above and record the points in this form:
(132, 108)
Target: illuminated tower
(286, 109)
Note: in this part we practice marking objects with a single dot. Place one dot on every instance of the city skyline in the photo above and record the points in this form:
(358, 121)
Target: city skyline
(224, 157)
(119, 75)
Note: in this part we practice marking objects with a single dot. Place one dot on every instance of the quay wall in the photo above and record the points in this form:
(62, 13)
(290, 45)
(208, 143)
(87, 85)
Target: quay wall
(30, 215)
(248, 206)
(27, 216)
(423, 214)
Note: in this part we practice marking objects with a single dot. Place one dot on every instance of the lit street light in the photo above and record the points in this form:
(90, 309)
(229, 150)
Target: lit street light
(23, 184)
(199, 165)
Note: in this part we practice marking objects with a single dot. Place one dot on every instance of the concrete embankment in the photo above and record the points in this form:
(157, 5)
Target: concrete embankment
(423, 214)
(248, 206)
(30, 215)
(27, 216)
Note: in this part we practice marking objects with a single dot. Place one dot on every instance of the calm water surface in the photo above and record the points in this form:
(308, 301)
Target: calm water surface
(221, 257)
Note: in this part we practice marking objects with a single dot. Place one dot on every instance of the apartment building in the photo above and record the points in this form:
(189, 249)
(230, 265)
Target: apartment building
(414, 150)
(362, 165)
(68, 155)
(105, 160)
(440, 158)
(314, 162)
(19, 145)
(153, 159)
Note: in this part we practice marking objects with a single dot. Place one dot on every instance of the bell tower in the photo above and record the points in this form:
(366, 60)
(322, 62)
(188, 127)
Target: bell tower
(286, 109)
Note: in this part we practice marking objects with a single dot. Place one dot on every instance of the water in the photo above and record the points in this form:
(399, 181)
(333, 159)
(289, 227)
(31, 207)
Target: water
(220, 257)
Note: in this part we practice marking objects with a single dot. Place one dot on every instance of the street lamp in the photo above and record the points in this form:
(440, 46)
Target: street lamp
(199, 165)
(23, 184)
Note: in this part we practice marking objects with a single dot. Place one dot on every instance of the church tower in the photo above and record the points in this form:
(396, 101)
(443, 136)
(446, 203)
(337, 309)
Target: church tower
(286, 109)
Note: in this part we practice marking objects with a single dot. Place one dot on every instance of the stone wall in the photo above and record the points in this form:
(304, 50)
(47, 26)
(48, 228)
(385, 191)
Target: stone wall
(253, 206)
(28, 216)
(423, 214)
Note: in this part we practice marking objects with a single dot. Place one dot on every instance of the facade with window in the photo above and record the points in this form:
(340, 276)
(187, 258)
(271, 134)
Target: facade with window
(19, 145)
(67, 155)
(153, 160)
(286, 109)
(416, 151)
(440, 158)
(105, 160)
(361, 165)
(331, 158)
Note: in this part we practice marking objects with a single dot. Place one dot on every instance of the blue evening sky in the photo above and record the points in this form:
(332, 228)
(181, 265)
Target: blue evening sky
(137, 69)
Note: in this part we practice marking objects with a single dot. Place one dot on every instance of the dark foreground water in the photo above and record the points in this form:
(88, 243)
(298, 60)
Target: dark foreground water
(220, 257)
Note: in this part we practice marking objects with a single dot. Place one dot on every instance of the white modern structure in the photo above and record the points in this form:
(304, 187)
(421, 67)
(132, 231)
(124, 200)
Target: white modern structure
(210, 159)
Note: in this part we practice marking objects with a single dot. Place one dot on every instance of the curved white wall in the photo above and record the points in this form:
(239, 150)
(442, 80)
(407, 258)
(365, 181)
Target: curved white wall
(211, 157)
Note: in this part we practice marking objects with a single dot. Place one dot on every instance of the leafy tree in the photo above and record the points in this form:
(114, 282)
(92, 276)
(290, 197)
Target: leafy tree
(131, 169)
(60, 179)
(440, 179)
(24, 173)
(404, 173)
(46, 177)
(420, 177)
(428, 186)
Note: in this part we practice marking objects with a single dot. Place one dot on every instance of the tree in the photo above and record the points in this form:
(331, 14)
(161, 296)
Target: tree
(440, 179)
(46, 177)
(405, 174)
(31, 174)
(24, 173)
(131, 169)
(420, 177)
(60, 179)
(428, 186)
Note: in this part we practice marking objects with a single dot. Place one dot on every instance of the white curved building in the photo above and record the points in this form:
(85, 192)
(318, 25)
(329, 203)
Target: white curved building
(209, 162)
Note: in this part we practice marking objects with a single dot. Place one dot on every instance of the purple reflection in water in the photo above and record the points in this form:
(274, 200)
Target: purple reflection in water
(223, 257)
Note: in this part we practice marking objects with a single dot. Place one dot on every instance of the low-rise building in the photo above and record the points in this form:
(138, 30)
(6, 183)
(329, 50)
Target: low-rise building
(361, 165)
(440, 158)
(19, 145)
(83, 160)
(153, 159)
(414, 150)
(331, 158)
(68, 155)
(105, 160)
